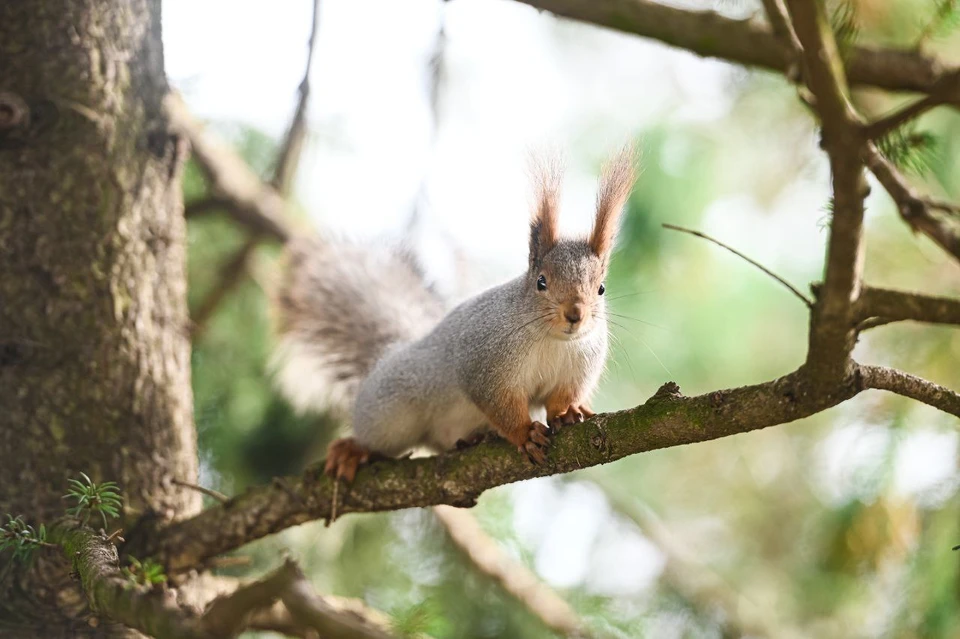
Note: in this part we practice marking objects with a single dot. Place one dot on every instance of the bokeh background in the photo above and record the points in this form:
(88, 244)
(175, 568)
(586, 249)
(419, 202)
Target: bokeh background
(421, 117)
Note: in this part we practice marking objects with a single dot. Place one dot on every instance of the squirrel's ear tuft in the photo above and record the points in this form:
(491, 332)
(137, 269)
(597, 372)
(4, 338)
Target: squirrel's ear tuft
(547, 174)
(616, 182)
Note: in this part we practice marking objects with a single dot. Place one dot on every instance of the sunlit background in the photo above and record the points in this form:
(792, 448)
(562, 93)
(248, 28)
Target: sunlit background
(421, 118)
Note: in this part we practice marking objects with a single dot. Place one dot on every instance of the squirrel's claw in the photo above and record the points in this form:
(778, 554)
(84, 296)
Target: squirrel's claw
(535, 448)
(344, 457)
(573, 415)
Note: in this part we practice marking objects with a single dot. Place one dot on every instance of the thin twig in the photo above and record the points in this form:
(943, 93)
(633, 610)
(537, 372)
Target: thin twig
(209, 492)
(288, 159)
(783, 31)
(878, 129)
(231, 274)
(806, 300)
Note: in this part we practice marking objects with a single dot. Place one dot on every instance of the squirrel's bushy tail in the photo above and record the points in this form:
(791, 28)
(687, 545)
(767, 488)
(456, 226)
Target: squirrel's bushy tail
(341, 306)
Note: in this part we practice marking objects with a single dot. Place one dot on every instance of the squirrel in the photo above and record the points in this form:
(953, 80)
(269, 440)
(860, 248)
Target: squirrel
(359, 324)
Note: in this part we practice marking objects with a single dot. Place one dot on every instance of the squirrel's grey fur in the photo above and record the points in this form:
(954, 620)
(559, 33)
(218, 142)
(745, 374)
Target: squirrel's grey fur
(360, 324)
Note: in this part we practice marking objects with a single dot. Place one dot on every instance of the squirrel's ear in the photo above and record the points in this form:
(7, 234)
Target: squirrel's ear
(547, 173)
(616, 182)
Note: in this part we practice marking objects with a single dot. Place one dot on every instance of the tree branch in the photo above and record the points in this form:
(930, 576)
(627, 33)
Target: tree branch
(250, 201)
(915, 210)
(831, 331)
(709, 34)
(803, 298)
(231, 274)
(883, 126)
(292, 147)
(226, 615)
(310, 610)
(515, 578)
(459, 477)
(896, 306)
(112, 595)
(889, 379)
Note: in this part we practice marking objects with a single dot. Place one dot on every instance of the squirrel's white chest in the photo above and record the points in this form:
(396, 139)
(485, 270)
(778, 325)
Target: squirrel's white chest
(553, 363)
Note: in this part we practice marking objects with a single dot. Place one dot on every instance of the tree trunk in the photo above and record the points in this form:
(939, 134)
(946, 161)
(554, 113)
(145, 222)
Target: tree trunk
(94, 349)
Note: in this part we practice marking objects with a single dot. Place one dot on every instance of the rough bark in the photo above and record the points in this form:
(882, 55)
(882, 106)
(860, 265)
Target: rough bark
(94, 352)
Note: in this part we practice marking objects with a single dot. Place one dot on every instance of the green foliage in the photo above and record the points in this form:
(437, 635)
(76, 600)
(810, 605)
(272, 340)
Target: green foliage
(21, 538)
(945, 19)
(93, 499)
(910, 150)
(845, 25)
(144, 573)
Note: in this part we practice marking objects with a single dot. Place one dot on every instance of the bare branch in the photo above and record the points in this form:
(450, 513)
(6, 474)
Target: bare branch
(831, 334)
(250, 201)
(917, 388)
(748, 43)
(783, 31)
(310, 610)
(231, 274)
(883, 126)
(227, 614)
(209, 492)
(882, 306)
(292, 147)
(914, 209)
(486, 555)
(806, 300)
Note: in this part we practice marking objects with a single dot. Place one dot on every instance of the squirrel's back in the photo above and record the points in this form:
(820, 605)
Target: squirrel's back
(340, 307)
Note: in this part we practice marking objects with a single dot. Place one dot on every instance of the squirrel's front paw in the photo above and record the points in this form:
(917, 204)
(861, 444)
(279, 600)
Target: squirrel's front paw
(344, 456)
(538, 440)
(573, 415)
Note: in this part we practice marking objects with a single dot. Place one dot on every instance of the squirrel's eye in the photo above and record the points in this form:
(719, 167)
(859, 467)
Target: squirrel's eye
(541, 283)
(602, 289)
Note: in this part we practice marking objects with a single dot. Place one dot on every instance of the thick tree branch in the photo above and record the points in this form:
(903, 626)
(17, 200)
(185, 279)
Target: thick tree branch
(914, 209)
(748, 43)
(458, 478)
(155, 611)
(831, 330)
(249, 200)
(917, 388)
(486, 555)
(896, 306)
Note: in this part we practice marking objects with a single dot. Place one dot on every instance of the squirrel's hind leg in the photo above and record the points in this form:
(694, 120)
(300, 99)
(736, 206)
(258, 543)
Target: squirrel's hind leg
(344, 457)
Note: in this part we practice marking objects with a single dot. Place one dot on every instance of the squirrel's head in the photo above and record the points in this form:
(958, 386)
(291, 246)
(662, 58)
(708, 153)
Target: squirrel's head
(566, 276)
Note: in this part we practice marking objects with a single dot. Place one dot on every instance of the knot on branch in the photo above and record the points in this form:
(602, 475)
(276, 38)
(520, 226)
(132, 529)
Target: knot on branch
(670, 390)
(14, 112)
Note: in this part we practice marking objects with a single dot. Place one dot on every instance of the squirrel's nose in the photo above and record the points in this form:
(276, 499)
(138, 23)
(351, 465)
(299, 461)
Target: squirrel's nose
(573, 315)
